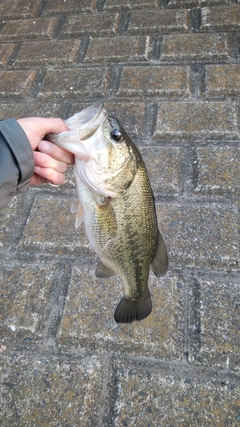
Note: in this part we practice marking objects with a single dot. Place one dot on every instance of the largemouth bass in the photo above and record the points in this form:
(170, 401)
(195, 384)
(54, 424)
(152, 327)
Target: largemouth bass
(116, 204)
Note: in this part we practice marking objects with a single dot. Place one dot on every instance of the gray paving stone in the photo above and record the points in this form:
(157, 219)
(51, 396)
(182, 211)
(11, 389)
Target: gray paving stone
(12, 219)
(197, 121)
(88, 83)
(56, 236)
(42, 391)
(220, 18)
(112, 49)
(162, 21)
(196, 47)
(22, 29)
(165, 166)
(215, 172)
(100, 25)
(16, 84)
(21, 109)
(214, 321)
(48, 52)
(155, 81)
(200, 235)
(89, 309)
(222, 80)
(25, 290)
(147, 397)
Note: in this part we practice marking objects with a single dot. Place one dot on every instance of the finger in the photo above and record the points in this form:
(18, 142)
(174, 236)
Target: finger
(46, 161)
(36, 128)
(53, 125)
(56, 152)
(37, 180)
(50, 175)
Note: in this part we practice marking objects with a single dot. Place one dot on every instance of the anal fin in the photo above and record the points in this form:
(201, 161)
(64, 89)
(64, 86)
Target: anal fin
(102, 271)
(160, 260)
(129, 310)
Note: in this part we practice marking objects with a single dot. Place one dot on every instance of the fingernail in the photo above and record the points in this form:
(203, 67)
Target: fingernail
(44, 146)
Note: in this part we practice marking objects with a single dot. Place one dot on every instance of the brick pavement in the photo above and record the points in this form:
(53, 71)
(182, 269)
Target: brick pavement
(170, 71)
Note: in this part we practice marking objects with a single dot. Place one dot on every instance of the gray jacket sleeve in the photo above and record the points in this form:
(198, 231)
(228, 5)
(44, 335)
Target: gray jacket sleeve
(16, 160)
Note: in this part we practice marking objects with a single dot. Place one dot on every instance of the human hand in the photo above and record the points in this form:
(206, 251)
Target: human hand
(50, 160)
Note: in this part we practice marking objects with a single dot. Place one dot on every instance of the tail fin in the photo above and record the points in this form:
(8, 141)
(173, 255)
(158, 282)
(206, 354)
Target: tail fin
(129, 310)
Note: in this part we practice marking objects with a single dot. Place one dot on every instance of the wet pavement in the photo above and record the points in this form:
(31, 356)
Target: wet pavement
(170, 72)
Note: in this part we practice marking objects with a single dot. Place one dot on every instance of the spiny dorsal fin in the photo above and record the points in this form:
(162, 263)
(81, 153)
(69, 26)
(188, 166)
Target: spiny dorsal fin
(102, 271)
(160, 260)
(129, 310)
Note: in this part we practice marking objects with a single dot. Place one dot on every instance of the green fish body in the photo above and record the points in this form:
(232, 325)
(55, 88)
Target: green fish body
(116, 204)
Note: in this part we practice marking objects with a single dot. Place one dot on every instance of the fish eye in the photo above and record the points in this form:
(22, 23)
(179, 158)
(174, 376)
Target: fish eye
(116, 135)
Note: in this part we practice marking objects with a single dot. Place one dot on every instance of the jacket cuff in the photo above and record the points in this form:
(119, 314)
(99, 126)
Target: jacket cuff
(21, 149)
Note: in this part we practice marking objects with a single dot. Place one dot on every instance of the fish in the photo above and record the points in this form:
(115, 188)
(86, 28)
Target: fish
(116, 204)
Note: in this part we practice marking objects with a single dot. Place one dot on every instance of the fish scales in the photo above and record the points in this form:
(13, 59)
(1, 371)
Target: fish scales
(116, 204)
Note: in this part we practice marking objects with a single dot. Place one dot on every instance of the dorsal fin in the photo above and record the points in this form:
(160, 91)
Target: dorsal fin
(160, 260)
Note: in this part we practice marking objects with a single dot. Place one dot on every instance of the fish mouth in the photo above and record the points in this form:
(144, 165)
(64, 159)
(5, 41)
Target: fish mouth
(82, 126)
(88, 119)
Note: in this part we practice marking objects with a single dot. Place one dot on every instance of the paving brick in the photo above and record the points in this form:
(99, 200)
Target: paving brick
(115, 49)
(71, 7)
(28, 28)
(130, 114)
(130, 4)
(16, 84)
(200, 234)
(12, 218)
(32, 108)
(214, 321)
(19, 10)
(197, 121)
(48, 52)
(44, 391)
(89, 310)
(81, 84)
(192, 3)
(165, 166)
(168, 81)
(132, 117)
(100, 24)
(222, 80)
(24, 295)
(216, 171)
(220, 18)
(196, 47)
(165, 397)
(50, 229)
(163, 21)
(5, 52)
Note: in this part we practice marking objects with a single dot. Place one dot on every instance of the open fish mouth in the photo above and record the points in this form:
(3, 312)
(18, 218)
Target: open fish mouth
(82, 126)
(88, 119)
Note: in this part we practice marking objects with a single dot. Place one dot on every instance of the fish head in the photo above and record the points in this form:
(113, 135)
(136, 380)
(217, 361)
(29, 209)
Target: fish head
(112, 163)
(104, 156)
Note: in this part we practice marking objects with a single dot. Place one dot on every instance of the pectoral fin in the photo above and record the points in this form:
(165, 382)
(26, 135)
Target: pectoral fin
(129, 310)
(102, 271)
(77, 208)
(160, 260)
